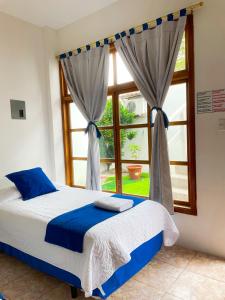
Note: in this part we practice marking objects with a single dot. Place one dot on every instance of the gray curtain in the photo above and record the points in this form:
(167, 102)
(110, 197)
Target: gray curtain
(86, 75)
(150, 57)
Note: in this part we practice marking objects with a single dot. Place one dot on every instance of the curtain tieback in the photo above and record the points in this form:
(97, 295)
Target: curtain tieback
(165, 118)
(98, 133)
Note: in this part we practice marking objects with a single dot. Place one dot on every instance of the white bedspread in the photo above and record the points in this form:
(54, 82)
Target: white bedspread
(107, 245)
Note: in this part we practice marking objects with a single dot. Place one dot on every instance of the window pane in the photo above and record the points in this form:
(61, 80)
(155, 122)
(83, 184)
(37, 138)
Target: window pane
(123, 74)
(175, 103)
(111, 75)
(133, 108)
(79, 144)
(79, 172)
(179, 178)
(106, 144)
(135, 179)
(108, 178)
(107, 117)
(177, 142)
(134, 143)
(181, 62)
(76, 118)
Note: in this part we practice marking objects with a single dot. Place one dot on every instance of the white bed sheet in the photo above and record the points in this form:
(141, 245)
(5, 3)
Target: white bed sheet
(107, 245)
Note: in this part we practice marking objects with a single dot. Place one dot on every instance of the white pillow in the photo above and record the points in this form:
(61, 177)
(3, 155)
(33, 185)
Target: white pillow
(9, 193)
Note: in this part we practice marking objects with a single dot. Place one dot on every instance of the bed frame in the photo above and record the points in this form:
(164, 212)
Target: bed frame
(74, 292)
(140, 257)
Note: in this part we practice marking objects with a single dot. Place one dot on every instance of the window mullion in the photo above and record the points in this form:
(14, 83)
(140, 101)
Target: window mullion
(117, 142)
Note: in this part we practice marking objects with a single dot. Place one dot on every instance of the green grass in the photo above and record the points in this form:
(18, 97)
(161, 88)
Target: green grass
(129, 186)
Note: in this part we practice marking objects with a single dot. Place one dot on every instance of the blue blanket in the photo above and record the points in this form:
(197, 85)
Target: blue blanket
(68, 230)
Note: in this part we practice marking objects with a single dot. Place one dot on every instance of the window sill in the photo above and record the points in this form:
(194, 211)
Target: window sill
(185, 210)
(177, 208)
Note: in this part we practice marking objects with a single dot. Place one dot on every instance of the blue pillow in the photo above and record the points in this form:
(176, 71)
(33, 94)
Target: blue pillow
(32, 183)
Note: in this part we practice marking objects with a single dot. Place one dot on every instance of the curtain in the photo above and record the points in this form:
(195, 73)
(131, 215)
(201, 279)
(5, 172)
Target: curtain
(150, 56)
(86, 75)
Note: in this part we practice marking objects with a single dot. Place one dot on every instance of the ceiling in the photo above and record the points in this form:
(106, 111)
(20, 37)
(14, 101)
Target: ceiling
(52, 13)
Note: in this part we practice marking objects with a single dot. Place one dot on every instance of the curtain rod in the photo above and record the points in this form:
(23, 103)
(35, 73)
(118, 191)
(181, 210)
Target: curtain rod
(150, 24)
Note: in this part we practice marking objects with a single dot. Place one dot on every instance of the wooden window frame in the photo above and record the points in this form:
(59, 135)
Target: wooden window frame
(184, 76)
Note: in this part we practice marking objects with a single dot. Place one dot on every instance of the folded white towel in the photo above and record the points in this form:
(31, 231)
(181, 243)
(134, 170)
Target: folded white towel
(114, 204)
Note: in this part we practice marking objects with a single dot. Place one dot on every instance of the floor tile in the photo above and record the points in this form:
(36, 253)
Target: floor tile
(30, 286)
(134, 290)
(192, 286)
(210, 266)
(11, 269)
(59, 293)
(174, 274)
(176, 256)
(158, 274)
(170, 297)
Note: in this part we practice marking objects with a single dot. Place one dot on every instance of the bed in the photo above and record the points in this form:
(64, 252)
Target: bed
(114, 250)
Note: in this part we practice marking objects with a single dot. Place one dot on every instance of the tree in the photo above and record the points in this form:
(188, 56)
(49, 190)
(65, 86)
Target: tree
(107, 139)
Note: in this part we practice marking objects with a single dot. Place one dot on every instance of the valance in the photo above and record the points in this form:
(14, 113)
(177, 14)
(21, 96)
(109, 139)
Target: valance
(140, 28)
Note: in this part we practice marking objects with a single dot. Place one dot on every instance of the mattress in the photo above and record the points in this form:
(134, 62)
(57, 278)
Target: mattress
(107, 246)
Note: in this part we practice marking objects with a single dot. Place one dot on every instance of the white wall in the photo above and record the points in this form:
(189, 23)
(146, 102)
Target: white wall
(54, 104)
(23, 143)
(206, 231)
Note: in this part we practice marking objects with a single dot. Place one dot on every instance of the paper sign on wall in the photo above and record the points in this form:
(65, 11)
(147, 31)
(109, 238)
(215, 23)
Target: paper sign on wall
(211, 101)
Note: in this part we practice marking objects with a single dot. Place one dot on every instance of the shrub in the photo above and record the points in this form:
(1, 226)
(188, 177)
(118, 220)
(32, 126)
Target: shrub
(107, 140)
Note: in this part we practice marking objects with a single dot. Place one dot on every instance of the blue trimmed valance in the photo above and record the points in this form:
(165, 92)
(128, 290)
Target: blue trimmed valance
(129, 32)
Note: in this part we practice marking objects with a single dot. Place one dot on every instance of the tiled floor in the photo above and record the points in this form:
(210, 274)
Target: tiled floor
(175, 273)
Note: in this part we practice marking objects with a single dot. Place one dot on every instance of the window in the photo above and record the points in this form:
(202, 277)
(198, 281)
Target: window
(125, 146)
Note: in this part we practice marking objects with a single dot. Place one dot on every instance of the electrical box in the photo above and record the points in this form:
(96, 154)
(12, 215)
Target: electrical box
(18, 109)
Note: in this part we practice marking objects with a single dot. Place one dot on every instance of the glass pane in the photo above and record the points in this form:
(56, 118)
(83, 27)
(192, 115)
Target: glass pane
(123, 74)
(107, 117)
(175, 104)
(79, 144)
(133, 108)
(111, 75)
(108, 178)
(134, 143)
(177, 142)
(79, 172)
(181, 61)
(106, 144)
(76, 118)
(135, 179)
(179, 178)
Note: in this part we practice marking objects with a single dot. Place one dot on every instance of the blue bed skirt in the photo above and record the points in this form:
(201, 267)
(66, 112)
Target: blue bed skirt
(139, 258)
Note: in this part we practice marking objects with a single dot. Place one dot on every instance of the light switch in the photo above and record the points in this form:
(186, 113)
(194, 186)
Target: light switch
(221, 124)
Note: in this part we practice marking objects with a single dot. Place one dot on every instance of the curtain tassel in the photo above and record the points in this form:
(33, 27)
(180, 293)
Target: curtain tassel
(98, 133)
(165, 118)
